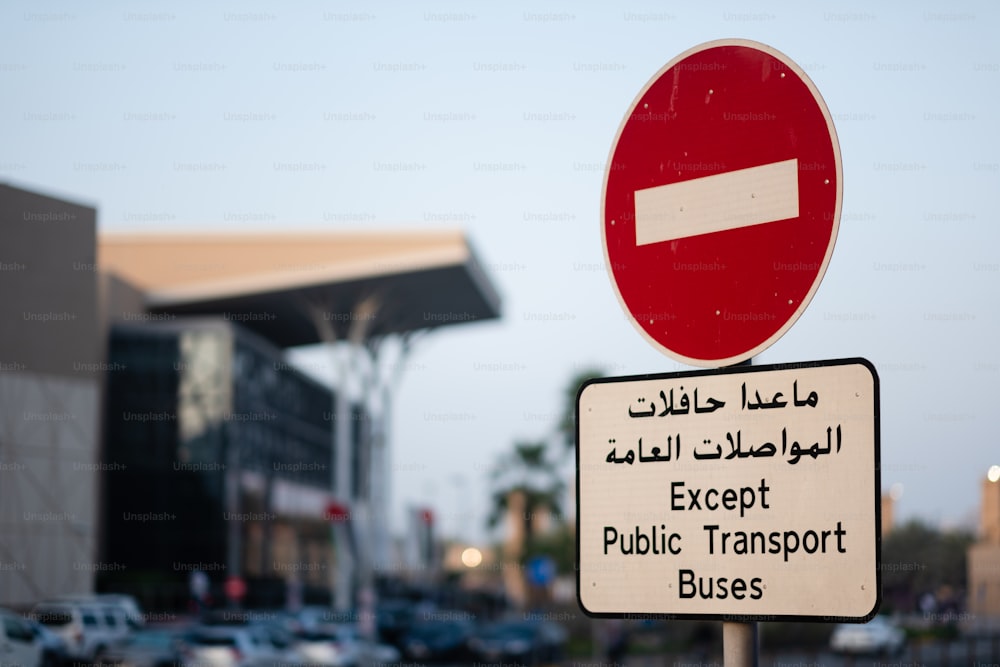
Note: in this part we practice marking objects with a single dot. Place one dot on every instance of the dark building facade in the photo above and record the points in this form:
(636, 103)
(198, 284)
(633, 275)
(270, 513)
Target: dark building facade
(219, 458)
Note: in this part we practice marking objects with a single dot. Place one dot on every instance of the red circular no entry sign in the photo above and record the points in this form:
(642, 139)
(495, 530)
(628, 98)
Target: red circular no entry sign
(721, 202)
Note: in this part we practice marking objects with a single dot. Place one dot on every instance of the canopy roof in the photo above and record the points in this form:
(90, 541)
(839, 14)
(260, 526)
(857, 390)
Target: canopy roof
(308, 287)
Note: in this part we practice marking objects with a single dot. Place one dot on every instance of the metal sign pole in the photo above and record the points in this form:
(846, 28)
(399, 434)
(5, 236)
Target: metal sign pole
(739, 644)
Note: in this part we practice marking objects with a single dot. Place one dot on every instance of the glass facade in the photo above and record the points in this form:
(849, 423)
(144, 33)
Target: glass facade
(222, 460)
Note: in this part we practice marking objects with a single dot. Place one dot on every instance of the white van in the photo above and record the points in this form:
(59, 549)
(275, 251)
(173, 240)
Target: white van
(88, 628)
(127, 603)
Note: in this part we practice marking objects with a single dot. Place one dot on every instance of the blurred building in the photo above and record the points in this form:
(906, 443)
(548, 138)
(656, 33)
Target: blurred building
(984, 559)
(222, 462)
(50, 378)
(351, 290)
(216, 451)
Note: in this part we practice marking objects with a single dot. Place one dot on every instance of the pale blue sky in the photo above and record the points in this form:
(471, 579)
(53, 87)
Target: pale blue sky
(332, 115)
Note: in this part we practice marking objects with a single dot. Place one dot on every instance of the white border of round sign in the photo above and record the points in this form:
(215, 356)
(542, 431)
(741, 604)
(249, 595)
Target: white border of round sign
(835, 229)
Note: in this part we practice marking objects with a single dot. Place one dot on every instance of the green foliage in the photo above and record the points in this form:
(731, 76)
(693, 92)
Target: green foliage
(528, 474)
(784, 635)
(918, 559)
(559, 545)
(567, 421)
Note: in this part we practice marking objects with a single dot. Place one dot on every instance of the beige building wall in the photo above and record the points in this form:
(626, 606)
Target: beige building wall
(984, 579)
(888, 518)
(983, 560)
(989, 517)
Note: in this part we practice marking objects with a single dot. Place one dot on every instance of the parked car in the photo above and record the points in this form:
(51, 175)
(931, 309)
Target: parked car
(437, 640)
(381, 653)
(129, 606)
(523, 642)
(322, 647)
(149, 647)
(88, 628)
(340, 645)
(55, 652)
(19, 645)
(393, 618)
(116, 621)
(313, 617)
(877, 636)
(236, 646)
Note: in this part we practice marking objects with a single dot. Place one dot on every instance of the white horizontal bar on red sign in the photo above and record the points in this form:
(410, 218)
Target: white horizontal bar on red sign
(717, 203)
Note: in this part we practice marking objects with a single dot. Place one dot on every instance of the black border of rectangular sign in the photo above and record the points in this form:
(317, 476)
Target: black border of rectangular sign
(743, 370)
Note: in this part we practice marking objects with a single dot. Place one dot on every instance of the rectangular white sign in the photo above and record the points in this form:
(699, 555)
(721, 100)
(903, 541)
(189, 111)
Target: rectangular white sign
(744, 492)
(716, 203)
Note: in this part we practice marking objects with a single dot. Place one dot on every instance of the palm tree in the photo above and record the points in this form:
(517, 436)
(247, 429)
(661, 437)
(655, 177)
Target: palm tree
(526, 481)
(528, 485)
(567, 420)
